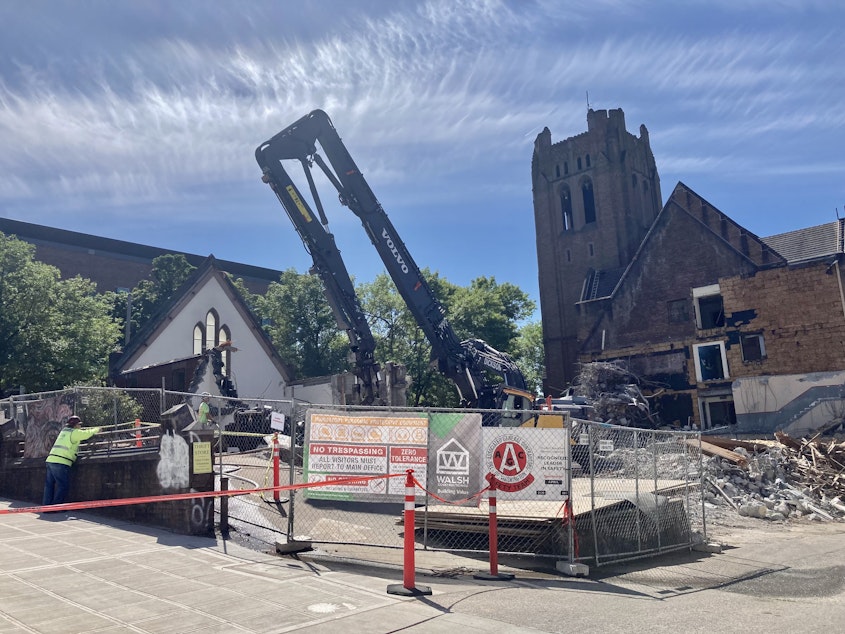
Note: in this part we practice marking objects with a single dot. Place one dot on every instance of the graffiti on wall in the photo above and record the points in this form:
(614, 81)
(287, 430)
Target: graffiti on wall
(173, 468)
(202, 513)
(41, 423)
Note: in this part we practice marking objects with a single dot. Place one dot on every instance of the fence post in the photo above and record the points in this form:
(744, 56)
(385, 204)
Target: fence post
(593, 494)
(493, 530)
(637, 489)
(654, 495)
(408, 589)
(276, 465)
(571, 567)
(137, 432)
(224, 507)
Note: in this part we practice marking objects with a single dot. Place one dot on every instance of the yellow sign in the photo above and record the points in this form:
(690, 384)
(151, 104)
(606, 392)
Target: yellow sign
(202, 457)
(298, 203)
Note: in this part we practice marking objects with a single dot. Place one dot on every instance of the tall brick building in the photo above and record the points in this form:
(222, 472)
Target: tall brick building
(595, 197)
(724, 327)
(115, 264)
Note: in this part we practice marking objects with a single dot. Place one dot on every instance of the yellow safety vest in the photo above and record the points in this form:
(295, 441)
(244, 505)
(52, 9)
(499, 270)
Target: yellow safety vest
(66, 445)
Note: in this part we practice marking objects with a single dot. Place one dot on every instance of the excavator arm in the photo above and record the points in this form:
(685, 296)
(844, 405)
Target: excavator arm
(320, 244)
(466, 363)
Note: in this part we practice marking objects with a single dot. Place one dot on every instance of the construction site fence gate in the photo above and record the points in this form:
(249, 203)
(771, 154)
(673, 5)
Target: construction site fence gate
(566, 489)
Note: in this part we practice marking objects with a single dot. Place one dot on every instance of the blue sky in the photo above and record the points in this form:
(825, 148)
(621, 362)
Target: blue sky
(139, 120)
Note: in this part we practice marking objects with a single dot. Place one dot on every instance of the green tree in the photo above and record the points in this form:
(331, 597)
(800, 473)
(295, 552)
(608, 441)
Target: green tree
(168, 273)
(483, 310)
(529, 355)
(248, 296)
(53, 332)
(488, 310)
(106, 406)
(301, 325)
(400, 339)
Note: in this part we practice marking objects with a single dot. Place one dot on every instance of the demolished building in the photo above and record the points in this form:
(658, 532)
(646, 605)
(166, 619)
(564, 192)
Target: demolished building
(728, 329)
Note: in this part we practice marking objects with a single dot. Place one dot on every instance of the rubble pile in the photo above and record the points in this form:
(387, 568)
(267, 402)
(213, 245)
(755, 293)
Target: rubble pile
(614, 393)
(777, 480)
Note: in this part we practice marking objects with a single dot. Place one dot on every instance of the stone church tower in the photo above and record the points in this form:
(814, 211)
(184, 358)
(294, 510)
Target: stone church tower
(595, 196)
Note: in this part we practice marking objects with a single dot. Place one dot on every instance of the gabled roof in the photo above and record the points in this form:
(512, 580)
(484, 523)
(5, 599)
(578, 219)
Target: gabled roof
(812, 243)
(41, 234)
(602, 284)
(181, 297)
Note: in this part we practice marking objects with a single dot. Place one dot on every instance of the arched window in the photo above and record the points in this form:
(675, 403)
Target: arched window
(565, 167)
(589, 201)
(634, 180)
(566, 207)
(210, 329)
(557, 171)
(224, 335)
(579, 162)
(588, 160)
(198, 341)
(211, 334)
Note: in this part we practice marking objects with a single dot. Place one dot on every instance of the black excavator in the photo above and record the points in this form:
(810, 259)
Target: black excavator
(469, 363)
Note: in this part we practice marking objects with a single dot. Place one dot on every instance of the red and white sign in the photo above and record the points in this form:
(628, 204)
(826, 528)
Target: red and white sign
(512, 462)
(368, 444)
(527, 463)
(352, 459)
(277, 421)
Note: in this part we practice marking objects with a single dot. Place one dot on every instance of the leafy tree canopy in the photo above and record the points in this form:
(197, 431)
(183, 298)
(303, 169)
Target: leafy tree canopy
(53, 332)
(168, 273)
(301, 325)
(299, 321)
(484, 310)
(529, 355)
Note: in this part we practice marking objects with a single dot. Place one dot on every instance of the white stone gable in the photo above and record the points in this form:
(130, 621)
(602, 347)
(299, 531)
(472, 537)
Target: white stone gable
(252, 369)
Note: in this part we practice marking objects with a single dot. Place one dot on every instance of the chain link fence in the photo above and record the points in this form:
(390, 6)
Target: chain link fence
(598, 493)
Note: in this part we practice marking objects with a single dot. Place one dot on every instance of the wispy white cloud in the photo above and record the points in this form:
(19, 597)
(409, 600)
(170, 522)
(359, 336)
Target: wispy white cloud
(428, 95)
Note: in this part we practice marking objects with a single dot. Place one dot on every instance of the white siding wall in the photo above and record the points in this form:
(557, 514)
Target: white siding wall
(798, 404)
(253, 372)
(314, 393)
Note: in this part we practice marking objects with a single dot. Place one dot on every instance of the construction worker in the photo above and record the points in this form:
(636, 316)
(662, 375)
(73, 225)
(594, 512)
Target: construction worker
(61, 459)
(204, 411)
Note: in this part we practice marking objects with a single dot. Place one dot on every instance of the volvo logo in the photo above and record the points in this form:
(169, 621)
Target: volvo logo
(394, 250)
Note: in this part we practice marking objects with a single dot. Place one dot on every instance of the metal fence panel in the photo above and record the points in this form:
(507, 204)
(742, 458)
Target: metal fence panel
(629, 492)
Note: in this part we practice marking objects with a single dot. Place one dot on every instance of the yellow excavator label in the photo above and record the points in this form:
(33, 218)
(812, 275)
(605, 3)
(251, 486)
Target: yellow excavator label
(296, 201)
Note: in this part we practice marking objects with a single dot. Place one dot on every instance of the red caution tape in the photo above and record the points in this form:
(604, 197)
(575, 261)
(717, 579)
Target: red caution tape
(96, 504)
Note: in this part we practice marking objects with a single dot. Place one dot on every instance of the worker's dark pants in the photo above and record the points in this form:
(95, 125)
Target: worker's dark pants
(57, 483)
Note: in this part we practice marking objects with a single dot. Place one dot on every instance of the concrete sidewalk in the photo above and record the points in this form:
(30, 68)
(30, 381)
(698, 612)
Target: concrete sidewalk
(78, 572)
(86, 573)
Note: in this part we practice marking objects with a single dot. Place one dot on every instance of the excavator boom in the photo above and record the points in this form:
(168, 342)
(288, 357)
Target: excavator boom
(467, 363)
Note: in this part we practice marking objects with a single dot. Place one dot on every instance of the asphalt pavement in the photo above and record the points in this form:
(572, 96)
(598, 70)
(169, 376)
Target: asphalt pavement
(80, 572)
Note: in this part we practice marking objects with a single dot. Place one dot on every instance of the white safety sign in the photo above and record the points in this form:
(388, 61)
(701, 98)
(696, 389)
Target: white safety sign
(527, 463)
(343, 445)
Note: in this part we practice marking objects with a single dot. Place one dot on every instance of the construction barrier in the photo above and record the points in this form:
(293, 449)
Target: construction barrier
(98, 504)
(633, 492)
(494, 573)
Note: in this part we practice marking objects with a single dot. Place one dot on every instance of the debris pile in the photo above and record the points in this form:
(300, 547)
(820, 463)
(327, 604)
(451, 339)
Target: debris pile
(777, 480)
(614, 393)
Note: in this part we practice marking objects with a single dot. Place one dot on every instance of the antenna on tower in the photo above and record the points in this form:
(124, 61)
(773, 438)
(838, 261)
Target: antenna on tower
(588, 100)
